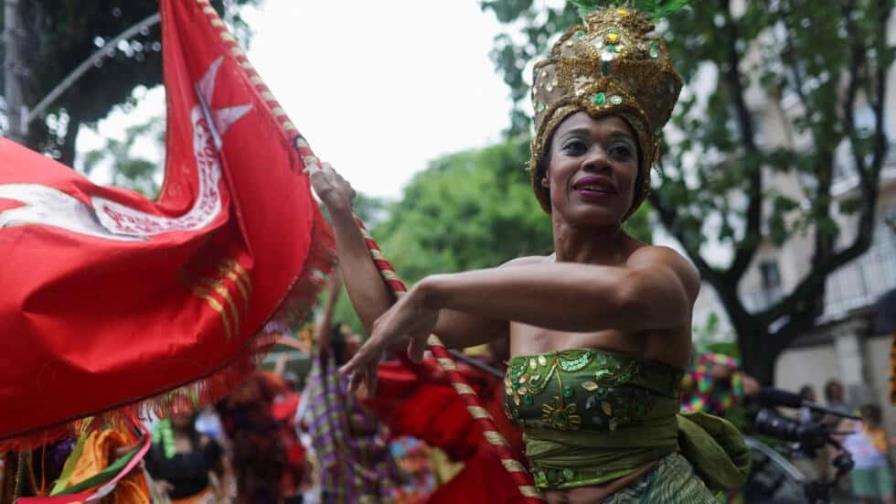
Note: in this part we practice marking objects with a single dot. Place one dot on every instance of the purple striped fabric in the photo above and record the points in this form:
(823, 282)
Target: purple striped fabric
(350, 443)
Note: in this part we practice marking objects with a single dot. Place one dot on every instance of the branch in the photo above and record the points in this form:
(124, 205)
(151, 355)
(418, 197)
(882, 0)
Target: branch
(880, 137)
(790, 57)
(856, 56)
(812, 284)
(798, 324)
(669, 218)
(746, 249)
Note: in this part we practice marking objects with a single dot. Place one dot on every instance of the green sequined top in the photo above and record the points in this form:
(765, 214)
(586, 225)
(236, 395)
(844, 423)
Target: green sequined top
(590, 415)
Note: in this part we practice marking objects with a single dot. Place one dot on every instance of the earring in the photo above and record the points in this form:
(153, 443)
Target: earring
(544, 182)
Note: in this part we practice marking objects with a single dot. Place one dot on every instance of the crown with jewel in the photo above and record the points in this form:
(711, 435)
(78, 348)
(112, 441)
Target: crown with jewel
(612, 64)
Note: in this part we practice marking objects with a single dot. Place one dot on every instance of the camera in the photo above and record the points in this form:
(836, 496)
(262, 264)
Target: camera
(809, 435)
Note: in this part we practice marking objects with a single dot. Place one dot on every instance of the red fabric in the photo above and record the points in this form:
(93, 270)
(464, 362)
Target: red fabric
(482, 481)
(109, 298)
(418, 400)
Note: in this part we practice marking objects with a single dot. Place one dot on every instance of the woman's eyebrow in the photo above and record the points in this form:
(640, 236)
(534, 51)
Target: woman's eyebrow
(575, 132)
(619, 134)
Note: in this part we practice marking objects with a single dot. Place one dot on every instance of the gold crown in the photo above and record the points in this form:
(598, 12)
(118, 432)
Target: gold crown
(614, 64)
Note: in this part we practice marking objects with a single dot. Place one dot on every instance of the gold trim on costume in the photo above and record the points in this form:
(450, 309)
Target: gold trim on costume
(495, 438)
(204, 293)
(513, 465)
(478, 412)
(239, 276)
(529, 491)
(218, 294)
(218, 287)
(463, 388)
(447, 364)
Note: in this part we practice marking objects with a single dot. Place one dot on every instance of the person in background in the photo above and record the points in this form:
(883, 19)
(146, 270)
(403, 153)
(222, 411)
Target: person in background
(181, 460)
(834, 395)
(872, 478)
(349, 442)
(807, 393)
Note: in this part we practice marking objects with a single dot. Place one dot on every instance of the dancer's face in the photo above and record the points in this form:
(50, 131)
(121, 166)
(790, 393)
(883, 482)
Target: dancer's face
(592, 169)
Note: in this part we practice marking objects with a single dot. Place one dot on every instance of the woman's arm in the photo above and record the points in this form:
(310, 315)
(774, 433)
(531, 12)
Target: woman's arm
(654, 289)
(365, 286)
(369, 294)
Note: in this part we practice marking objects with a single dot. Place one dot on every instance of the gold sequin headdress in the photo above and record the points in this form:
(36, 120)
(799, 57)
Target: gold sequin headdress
(612, 64)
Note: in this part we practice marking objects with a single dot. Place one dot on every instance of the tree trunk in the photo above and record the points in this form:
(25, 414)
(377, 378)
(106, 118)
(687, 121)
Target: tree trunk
(758, 355)
(14, 69)
(758, 348)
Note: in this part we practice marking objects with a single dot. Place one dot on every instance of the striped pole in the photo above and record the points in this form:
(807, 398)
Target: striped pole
(514, 468)
(517, 472)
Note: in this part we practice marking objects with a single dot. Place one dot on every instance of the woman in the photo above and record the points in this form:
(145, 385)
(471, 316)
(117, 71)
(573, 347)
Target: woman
(181, 460)
(600, 330)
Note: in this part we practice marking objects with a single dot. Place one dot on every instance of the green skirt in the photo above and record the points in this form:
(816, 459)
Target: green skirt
(671, 481)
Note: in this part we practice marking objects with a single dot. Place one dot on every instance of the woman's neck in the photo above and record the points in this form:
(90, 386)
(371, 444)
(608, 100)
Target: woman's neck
(590, 245)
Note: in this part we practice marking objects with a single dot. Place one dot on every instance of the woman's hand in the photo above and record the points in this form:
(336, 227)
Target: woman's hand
(407, 321)
(335, 192)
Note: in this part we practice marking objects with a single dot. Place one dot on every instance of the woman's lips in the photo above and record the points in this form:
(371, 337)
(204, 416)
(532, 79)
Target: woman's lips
(594, 188)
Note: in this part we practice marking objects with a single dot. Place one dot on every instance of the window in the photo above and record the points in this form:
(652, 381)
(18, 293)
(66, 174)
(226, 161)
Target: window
(771, 276)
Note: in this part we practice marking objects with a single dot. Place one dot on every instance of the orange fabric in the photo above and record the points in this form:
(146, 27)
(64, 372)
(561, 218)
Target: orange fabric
(98, 453)
(878, 438)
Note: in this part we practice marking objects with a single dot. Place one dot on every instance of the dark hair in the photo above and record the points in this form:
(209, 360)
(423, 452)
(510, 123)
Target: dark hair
(829, 390)
(807, 392)
(872, 413)
(337, 341)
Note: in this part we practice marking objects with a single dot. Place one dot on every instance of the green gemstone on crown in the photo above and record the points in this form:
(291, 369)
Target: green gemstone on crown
(600, 99)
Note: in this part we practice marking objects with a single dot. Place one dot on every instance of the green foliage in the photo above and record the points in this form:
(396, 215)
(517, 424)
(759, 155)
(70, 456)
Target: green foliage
(654, 8)
(129, 169)
(469, 210)
(638, 225)
(60, 34)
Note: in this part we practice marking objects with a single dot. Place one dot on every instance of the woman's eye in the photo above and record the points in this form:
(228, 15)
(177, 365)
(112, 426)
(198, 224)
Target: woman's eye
(621, 151)
(575, 147)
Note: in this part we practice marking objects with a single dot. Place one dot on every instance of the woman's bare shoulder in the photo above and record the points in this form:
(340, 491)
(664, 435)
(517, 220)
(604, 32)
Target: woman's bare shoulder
(653, 255)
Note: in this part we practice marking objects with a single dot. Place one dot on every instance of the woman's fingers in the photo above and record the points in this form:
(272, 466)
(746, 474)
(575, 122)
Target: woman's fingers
(416, 348)
(369, 352)
(370, 379)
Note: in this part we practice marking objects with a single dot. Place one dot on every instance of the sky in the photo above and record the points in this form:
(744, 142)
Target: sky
(379, 89)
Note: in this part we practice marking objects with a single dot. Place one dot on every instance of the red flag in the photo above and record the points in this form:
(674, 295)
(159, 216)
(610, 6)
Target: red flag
(108, 298)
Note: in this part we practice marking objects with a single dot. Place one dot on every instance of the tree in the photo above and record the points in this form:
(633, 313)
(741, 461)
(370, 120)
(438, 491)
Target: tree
(55, 36)
(822, 70)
